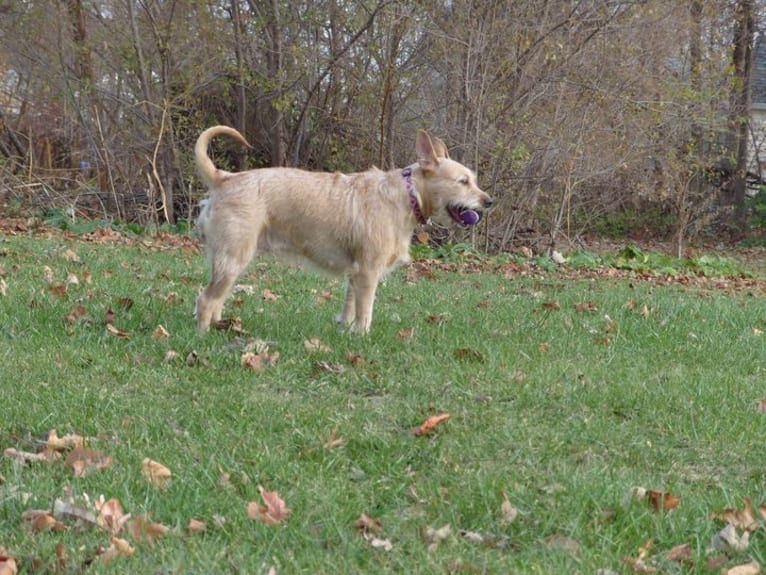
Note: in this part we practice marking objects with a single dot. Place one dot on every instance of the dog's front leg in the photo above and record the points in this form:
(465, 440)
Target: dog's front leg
(364, 285)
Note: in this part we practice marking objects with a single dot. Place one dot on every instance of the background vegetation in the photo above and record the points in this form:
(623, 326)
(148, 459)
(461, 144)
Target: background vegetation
(580, 116)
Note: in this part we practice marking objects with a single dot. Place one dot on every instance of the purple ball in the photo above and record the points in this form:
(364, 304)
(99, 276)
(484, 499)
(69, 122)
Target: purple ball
(469, 217)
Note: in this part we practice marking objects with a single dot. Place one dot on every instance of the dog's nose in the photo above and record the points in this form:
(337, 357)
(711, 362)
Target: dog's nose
(488, 202)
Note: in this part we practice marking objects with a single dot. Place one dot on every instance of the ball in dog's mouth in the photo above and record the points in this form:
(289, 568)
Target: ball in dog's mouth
(463, 215)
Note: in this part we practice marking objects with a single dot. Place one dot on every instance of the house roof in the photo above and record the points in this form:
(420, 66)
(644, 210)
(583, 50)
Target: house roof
(758, 78)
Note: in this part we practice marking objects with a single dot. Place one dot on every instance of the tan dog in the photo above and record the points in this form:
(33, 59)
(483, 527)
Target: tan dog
(357, 225)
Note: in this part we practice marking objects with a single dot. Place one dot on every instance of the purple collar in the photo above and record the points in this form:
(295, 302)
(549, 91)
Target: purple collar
(407, 175)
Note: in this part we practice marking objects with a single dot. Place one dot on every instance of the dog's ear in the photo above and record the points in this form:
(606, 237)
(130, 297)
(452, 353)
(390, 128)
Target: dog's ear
(427, 156)
(440, 148)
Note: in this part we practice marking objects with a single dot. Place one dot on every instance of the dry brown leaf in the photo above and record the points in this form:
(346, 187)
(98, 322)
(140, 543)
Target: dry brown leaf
(85, 461)
(429, 424)
(259, 361)
(680, 553)
(156, 473)
(661, 500)
(551, 305)
(37, 520)
(508, 512)
(8, 564)
(587, 306)
(468, 354)
(322, 297)
(367, 524)
(740, 518)
(273, 510)
(334, 440)
(269, 295)
(233, 324)
(314, 345)
(110, 514)
(406, 333)
(196, 526)
(377, 543)
(639, 564)
(160, 333)
(28, 457)
(69, 441)
(563, 543)
(752, 568)
(116, 332)
(118, 548)
(436, 536)
(141, 529)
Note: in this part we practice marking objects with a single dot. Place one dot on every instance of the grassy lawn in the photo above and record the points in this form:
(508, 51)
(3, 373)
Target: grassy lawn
(566, 392)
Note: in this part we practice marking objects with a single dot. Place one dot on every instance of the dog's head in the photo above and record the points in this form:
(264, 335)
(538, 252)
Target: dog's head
(450, 191)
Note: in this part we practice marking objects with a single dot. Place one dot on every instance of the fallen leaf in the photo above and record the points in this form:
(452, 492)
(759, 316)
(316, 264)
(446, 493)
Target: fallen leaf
(28, 457)
(406, 333)
(661, 500)
(69, 441)
(230, 324)
(367, 524)
(437, 318)
(269, 295)
(156, 473)
(118, 548)
(196, 526)
(378, 543)
(334, 440)
(71, 256)
(752, 568)
(587, 306)
(141, 529)
(563, 543)
(356, 359)
(273, 510)
(680, 553)
(85, 461)
(436, 536)
(192, 359)
(336, 368)
(551, 305)
(259, 361)
(508, 512)
(315, 344)
(116, 332)
(37, 520)
(322, 297)
(160, 333)
(740, 518)
(58, 291)
(728, 539)
(468, 354)
(429, 424)
(8, 565)
(639, 564)
(544, 347)
(110, 514)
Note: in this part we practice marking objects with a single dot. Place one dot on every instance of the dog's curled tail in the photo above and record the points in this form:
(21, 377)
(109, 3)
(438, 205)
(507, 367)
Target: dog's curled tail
(205, 167)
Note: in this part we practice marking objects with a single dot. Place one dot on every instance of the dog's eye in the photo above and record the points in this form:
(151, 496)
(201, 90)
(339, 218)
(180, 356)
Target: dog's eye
(463, 181)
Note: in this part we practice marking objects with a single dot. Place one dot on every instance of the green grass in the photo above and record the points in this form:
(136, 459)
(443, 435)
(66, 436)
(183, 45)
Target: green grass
(560, 408)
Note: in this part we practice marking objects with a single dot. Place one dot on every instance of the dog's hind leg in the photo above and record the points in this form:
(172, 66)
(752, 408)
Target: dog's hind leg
(346, 317)
(225, 268)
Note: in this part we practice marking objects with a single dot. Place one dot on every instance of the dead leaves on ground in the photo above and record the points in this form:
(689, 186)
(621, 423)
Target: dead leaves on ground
(272, 510)
(726, 546)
